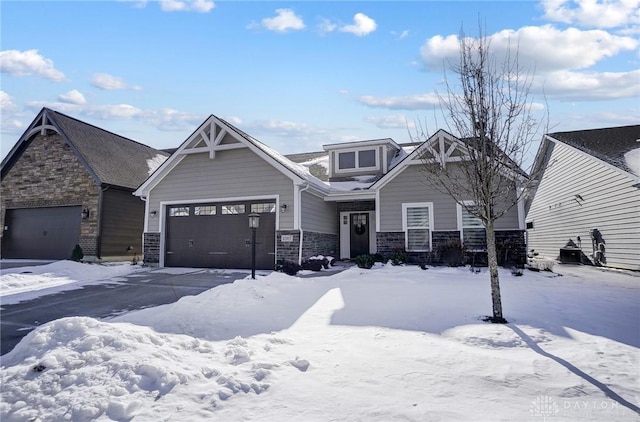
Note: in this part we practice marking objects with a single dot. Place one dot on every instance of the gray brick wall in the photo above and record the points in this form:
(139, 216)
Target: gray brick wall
(287, 251)
(356, 206)
(314, 244)
(151, 248)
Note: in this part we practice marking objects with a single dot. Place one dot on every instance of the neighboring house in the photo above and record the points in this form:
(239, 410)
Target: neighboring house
(66, 182)
(586, 180)
(350, 199)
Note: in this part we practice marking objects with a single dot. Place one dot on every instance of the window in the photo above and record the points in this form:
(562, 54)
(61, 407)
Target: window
(205, 210)
(354, 160)
(367, 158)
(472, 232)
(467, 219)
(260, 208)
(232, 209)
(179, 211)
(346, 160)
(417, 220)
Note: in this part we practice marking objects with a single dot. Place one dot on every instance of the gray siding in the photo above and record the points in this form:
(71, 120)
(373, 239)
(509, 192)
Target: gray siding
(610, 204)
(317, 215)
(234, 173)
(410, 186)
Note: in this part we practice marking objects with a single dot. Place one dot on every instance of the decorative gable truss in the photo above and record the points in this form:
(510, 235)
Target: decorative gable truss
(442, 148)
(210, 137)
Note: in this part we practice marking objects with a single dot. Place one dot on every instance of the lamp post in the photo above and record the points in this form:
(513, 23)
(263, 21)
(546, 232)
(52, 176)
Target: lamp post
(254, 222)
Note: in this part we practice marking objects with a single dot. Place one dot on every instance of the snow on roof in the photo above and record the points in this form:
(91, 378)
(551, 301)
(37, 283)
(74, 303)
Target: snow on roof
(632, 160)
(155, 162)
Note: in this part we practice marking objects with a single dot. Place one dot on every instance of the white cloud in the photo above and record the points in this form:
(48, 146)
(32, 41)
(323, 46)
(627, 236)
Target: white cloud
(165, 119)
(362, 25)
(73, 97)
(110, 83)
(200, 6)
(6, 102)
(285, 21)
(29, 63)
(544, 48)
(593, 13)
(326, 26)
(391, 121)
(407, 102)
(402, 35)
(568, 85)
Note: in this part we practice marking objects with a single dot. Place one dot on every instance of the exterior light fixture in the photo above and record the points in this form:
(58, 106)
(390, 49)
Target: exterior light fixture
(283, 207)
(85, 213)
(153, 213)
(254, 223)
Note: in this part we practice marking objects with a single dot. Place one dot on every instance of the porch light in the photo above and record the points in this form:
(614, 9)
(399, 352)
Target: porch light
(85, 213)
(153, 213)
(283, 207)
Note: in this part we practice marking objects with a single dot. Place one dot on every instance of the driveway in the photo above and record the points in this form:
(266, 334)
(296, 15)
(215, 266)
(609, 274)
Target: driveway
(136, 291)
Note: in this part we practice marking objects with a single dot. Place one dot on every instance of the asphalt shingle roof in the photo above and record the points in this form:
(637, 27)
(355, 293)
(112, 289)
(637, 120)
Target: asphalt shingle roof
(114, 159)
(607, 144)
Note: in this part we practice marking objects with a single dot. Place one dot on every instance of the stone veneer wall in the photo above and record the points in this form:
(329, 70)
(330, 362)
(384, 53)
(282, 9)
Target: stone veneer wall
(151, 248)
(313, 244)
(356, 206)
(509, 243)
(49, 174)
(287, 251)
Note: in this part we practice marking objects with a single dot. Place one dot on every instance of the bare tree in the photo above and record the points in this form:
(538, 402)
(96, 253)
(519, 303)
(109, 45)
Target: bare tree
(492, 114)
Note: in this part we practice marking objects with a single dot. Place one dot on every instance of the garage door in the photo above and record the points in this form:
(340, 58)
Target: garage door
(217, 235)
(41, 233)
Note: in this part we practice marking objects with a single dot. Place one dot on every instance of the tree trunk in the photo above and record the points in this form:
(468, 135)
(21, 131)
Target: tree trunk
(492, 258)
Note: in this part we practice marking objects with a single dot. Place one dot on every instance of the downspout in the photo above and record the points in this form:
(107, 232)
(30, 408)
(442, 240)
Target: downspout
(299, 211)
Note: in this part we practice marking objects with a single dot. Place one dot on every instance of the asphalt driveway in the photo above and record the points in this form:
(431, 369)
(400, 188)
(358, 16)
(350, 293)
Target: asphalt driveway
(135, 291)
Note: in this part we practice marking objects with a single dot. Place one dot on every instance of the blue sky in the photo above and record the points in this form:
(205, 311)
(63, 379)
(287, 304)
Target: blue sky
(297, 75)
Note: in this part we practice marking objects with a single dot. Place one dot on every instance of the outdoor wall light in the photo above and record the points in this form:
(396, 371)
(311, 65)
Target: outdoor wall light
(85, 213)
(283, 207)
(153, 213)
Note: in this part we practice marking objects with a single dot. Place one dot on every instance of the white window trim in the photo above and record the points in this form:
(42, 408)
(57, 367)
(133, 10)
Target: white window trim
(357, 168)
(405, 229)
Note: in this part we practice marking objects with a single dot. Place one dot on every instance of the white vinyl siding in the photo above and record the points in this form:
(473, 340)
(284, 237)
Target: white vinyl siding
(417, 219)
(237, 173)
(610, 203)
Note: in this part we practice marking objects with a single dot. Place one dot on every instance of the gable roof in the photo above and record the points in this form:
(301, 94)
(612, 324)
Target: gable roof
(110, 158)
(212, 136)
(607, 144)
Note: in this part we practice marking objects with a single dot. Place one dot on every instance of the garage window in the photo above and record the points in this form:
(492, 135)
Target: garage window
(233, 209)
(205, 210)
(260, 208)
(179, 211)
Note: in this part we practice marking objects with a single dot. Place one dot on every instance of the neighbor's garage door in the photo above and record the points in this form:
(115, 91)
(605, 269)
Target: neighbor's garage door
(217, 235)
(41, 233)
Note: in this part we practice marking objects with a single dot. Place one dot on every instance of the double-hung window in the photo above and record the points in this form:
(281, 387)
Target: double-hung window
(417, 223)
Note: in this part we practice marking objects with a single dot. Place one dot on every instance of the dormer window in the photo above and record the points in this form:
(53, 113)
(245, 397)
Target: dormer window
(356, 160)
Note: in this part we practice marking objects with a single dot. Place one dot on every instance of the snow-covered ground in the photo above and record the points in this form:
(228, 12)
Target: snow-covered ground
(387, 344)
(24, 283)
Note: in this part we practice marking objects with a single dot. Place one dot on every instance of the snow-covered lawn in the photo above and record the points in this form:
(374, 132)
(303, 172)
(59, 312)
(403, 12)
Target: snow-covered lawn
(387, 344)
(23, 283)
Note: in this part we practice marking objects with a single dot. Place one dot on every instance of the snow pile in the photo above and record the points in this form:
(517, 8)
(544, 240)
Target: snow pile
(391, 343)
(25, 282)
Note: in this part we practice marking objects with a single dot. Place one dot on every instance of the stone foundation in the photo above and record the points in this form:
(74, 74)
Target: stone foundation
(287, 251)
(151, 248)
(320, 244)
